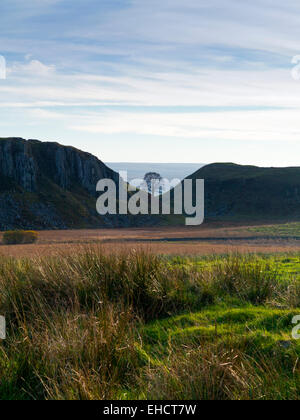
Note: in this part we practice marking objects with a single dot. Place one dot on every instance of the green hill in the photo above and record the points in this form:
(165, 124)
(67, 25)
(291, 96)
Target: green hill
(249, 192)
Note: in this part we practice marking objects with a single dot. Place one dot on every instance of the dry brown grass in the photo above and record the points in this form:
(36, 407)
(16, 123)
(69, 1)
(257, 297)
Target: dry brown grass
(182, 248)
(88, 235)
(68, 242)
(218, 374)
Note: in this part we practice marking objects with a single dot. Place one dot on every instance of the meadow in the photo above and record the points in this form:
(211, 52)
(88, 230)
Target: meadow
(135, 325)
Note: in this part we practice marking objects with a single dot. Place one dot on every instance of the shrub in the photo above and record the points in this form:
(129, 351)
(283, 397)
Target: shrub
(20, 237)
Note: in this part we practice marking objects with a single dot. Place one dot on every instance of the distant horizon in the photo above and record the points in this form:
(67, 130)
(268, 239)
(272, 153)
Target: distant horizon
(204, 164)
(158, 163)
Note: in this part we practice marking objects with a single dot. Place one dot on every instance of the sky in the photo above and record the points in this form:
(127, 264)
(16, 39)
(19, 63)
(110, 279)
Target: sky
(155, 81)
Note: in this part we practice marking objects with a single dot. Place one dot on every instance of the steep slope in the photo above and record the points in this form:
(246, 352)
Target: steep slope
(46, 185)
(250, 192)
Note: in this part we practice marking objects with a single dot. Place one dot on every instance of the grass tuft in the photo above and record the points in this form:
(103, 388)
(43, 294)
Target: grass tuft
(95, 326)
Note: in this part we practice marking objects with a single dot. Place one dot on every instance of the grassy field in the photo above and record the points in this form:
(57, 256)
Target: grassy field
(210, 238)
(137, 325)
(286, 229)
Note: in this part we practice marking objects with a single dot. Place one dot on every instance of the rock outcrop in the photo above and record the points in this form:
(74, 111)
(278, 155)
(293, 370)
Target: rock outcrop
(17, 163)
(25, 161)
(46, 185)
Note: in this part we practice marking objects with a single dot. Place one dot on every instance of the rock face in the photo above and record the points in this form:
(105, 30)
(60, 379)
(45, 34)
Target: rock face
(67, 166)
(46, 185)
(17, 163)
(26, 161)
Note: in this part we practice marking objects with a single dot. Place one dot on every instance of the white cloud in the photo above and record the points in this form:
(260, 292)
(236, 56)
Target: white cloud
(35, 82)
(270, 125)
(34, 69)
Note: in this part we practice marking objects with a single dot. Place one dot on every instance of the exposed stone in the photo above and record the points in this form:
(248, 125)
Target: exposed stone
(17, 162)
(48, 186)
(38, 183)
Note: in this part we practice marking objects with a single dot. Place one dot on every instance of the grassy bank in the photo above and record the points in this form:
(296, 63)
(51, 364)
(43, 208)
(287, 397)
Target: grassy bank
(140, 326)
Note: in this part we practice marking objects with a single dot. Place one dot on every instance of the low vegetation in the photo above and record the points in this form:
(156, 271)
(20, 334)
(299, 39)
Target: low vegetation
(15, 237)
(291, 230)
(95, 326)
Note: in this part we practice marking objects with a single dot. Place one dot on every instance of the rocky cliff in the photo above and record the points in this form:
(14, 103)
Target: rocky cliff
(46, 185)
(25, 162)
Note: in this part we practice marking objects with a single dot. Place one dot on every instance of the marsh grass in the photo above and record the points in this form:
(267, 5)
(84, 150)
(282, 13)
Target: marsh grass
(219, 373)
(135, 325)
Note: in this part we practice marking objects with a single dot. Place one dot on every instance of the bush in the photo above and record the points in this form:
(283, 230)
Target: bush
(20, 237)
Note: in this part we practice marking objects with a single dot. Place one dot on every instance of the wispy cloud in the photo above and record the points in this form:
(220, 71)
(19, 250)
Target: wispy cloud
(250, 126)
(89, 55)
(34, 81)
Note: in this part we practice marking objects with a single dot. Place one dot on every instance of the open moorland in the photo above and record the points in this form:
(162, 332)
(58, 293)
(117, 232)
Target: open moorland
(210, 238)
(152, 314)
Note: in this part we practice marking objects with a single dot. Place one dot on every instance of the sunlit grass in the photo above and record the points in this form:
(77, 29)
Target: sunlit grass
(135, 325)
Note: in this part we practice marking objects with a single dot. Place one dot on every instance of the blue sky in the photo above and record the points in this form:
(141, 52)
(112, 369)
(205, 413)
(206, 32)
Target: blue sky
(155, 81)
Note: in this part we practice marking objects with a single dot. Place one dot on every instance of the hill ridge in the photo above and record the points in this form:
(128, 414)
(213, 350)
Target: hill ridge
(246, 192)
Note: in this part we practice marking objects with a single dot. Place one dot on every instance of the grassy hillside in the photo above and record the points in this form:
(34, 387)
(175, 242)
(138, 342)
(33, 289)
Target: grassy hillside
(250, 193)
(138, 326)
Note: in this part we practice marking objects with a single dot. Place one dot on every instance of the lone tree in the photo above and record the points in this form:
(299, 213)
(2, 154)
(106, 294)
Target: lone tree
(153, 178)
